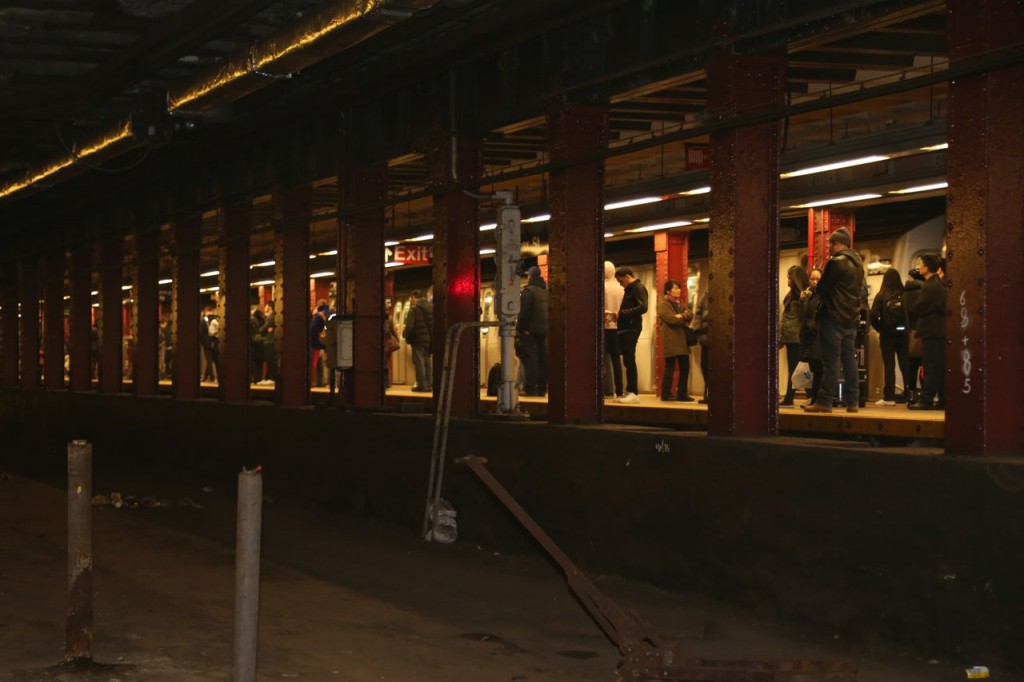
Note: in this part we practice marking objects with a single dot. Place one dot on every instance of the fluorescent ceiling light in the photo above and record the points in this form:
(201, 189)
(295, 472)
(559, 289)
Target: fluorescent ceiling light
(921, 188)
(696, 191)
(936, 147)
(421, 238)
(837, 200)
(126, 287)
(66, 298)
(393, 264)
(262, 283)
(631, 202)
(264, 264)
(702, 220)
(94, 293)
(834, 166)
(538, 218)
(312, 256)
(325, 273)
(209, 289)
(211, 273)
(488, 227)
(487, 252)
(391, 243)
(332, 252)
(164, 281)
(609, 234)
(661, 226)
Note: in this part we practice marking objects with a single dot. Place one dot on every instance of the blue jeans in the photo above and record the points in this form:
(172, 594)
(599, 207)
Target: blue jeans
(837, 349)
(424, 368)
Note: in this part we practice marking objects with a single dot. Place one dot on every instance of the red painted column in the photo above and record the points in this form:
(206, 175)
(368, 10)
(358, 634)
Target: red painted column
(111, 318)
(984, 238)
(456, 269)
(365, 275)
(293, 210)
(53, 316)
(671, 261)
(236, 230)
(147, 300)
(744, 247)
(185, 307)
(81, 317)
(576, 266)
(9, 326)
(28, 292)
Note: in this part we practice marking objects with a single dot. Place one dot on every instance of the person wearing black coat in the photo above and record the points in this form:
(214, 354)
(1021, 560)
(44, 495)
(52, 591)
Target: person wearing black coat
(889, 319)
(532, 333)
(630, 320)
(418, 332)
(930, 309)
(810, 349)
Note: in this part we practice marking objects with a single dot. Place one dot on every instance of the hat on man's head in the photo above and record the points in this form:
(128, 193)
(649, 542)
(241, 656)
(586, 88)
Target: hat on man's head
(842, 236)
(534, 271)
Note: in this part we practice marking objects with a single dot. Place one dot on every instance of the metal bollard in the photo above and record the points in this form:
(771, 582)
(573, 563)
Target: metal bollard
(247, 573)
(79, 623)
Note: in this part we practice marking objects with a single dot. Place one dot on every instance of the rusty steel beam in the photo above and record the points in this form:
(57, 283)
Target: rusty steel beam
(744, 248)
(147, 300)
(81, 317)
(185, 307)
(111, 314)
(293, 207)
(236, 231)
(576, 266)
(9, 330)
(53, 315)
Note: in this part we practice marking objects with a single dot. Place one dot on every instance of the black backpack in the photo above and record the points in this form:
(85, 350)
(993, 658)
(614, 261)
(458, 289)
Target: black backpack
(894, 316)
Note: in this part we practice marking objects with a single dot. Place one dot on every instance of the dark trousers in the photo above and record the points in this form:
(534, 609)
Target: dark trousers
(894, 349)
(212, 370)
(270, 356)
(838, 354)
(256, 361)
(934, 368)
(705, 360)
(533, 355)
(910, 378)
(792, 359)
(683, 361)
(817, 369)
(614, 354)
(627, 342)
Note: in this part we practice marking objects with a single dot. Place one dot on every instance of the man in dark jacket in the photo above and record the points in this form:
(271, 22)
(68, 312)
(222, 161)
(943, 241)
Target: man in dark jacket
(930, 309)
(317, 347)
(532, 333)
(840, 290)
(630, 321)
(418, 332)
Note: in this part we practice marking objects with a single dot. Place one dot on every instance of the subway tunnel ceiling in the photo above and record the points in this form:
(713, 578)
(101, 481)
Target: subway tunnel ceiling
(71, 71)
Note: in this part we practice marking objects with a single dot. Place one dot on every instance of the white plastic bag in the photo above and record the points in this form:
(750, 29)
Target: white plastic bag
(802, 377)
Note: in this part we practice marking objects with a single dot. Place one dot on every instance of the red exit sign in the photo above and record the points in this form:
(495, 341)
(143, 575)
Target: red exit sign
(413, 254)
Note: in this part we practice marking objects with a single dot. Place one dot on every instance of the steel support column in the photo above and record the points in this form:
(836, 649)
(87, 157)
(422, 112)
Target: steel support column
(744, 247)
(111, 315)
(9, 328)
(984, 235)
(53, 316)
(671, 261)
(293, 210)
(456, 267)
(576, 265)
(236, 230)
(365, 274)
(147, 300)
(80, 332)
(185, 307)
(28, 293)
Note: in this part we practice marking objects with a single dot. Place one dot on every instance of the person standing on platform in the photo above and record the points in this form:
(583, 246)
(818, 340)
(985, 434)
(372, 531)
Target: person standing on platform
(612, 351)
(532, 333)
(674, 319)
(268, 331)
(930, 308)
(630, 319)
(810, 348)
(790, 325)
(889, 319)
(318, 342)
(209, 332)
(418, 333)
(164, 349)
(841, 289)
(256, 322)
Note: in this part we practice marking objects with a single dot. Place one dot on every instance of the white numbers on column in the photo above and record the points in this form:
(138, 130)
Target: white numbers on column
(965, 353)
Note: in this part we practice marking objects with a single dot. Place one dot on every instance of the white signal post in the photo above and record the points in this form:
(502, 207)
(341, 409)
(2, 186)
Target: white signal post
(507, 258)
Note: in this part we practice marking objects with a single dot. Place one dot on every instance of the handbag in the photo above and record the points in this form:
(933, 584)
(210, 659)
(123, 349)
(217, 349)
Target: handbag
(391, 344)
(691, 336)
(803, 377)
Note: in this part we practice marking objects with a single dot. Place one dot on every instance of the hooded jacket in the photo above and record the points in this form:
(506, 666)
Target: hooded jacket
(841, 289)
(533, 307)
(612, 296)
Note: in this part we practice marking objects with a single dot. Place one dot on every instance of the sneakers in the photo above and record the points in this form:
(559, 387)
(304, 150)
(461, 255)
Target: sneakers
(629, 398)
(885, 403)
(814, 407)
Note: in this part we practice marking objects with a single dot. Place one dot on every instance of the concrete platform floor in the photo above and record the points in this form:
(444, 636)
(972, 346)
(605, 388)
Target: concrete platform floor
(343, 599)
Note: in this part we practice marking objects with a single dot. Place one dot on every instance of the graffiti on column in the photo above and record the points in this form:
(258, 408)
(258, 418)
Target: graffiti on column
(965, 353)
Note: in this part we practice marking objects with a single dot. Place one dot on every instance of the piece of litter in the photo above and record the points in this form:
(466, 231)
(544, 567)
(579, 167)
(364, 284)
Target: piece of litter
(977, 672)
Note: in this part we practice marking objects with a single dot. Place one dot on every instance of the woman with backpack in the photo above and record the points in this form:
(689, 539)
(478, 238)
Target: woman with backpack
(889, 319)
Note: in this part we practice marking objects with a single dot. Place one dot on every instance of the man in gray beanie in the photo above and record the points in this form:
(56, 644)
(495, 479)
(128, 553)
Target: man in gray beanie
(840, 290)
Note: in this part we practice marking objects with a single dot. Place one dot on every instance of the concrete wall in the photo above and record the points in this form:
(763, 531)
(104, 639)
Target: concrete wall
(908, 546)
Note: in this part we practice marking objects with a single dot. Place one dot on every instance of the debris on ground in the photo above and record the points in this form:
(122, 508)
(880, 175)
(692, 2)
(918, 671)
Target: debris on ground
(118, 500)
